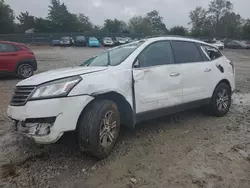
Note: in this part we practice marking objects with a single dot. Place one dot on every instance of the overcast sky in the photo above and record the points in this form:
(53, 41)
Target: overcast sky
(174, 12)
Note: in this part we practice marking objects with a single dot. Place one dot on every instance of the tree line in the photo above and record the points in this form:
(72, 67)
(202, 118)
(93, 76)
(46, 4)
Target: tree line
(217, 20)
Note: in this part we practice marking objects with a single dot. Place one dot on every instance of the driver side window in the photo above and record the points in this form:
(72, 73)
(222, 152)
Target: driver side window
(158, 53)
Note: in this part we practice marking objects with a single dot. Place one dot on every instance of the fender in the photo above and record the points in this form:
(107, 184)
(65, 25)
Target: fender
(126, 111)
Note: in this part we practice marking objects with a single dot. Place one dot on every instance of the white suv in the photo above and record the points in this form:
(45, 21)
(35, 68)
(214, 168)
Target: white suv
(122, 86)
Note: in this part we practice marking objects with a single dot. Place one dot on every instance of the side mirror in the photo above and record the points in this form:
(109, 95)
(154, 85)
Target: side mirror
(137, 64)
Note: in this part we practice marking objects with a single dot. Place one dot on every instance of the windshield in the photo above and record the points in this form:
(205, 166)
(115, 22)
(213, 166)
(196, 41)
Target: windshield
(114, 56)
(80, 38)
(107, 38)
(65, 38)
(120, 38)
(92, 38)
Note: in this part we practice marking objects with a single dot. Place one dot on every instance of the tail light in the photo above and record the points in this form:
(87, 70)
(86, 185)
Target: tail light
(232, 64)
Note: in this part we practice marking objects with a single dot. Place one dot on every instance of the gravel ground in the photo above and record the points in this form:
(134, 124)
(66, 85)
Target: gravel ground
(187, 150)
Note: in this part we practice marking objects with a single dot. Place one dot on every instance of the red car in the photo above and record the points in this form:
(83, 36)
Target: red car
(16, 58)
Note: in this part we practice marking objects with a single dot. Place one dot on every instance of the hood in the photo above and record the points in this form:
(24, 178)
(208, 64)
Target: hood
(65, 40)
(59, 73)
(107, 41)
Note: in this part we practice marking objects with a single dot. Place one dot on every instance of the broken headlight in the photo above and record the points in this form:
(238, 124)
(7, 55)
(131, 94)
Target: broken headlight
(57, 88)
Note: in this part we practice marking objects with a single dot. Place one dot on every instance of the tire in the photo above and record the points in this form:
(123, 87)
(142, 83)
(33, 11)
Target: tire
(25, 70)
(91, 131)
(221, 100)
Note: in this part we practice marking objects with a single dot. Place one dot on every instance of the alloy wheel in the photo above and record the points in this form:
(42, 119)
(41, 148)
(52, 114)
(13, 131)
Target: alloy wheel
(222, 100)
(108, 130)
(25, 71)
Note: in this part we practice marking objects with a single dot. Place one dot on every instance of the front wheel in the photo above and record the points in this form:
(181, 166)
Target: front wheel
(221, 100)
(25, 70)
(98, 128)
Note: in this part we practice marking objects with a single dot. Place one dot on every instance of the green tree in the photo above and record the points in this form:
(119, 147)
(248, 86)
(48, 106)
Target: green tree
(6, 18)
(217, 9)
(230, 25)
(217, 21)
(139, 24)
(26, 21)
(178, 30)
(156, 22)
(246, 29)
(43, 25)
(84, 23)
(200, 22)
(61, 19)
(114, 26)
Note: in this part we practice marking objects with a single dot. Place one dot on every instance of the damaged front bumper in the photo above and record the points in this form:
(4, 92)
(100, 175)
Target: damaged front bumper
(40, 132)
(45, 121)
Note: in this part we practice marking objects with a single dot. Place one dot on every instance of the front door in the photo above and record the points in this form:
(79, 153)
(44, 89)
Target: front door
(157, 80)
(8, 57)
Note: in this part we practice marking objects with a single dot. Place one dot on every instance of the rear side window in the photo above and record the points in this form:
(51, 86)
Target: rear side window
(158, 53)
(186, 52)
(4, 48)
(211, 52)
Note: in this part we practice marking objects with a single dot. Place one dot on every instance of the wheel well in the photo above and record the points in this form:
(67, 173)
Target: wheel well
(225, 81)
(25, 62)
(125, 109)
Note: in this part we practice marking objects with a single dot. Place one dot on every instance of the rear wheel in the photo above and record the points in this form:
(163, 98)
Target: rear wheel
(98, 129)
(25, 70)
(221, 100)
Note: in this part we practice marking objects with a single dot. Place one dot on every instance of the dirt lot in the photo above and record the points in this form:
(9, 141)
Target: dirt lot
(188, 150)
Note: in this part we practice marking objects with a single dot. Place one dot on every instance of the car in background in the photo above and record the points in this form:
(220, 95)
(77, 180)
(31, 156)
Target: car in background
(128, 39)
(119, 41)
(218, 44)
(66, 41)
(107, 41)
(16, 58)
(80, 41)
(93, 42)
(135, 39)
(234, 44)
(247, 43)
(55, 42)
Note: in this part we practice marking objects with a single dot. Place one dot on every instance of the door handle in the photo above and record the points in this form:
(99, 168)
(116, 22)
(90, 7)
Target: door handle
(207, 70)
(174, 74)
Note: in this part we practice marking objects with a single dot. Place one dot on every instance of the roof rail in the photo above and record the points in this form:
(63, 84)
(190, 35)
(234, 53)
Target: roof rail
(187, 37)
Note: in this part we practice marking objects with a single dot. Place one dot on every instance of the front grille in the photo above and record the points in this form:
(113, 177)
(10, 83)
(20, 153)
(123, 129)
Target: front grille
(21, 95)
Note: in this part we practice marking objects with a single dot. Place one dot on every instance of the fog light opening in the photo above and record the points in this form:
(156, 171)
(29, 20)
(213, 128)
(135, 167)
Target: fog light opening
(39, 129)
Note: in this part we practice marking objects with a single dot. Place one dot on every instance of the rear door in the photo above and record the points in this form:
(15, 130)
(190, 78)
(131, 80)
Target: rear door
(157, 79)
(214, 66)
(196, 73)
(8, 57)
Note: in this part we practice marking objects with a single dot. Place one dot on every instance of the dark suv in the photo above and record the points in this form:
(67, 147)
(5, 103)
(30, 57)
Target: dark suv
(80, 41)
(17, 58)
